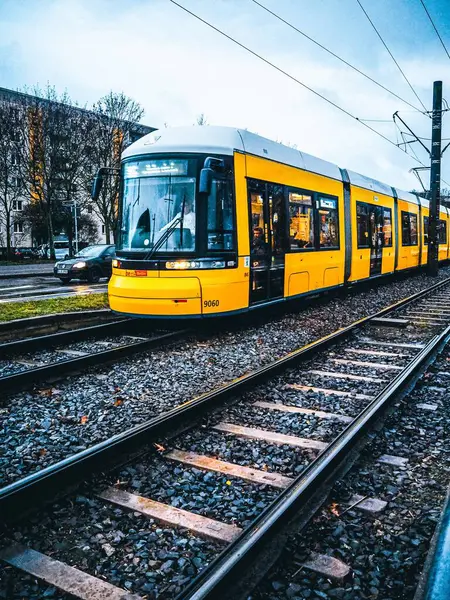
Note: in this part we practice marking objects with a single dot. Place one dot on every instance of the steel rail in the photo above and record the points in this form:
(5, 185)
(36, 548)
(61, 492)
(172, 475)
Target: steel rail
(26, 378)
(29, 493)
(220, 578)
(63, 337)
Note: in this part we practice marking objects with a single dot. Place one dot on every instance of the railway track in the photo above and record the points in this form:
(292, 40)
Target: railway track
(27, 361)
(53, 323)
(238, 477)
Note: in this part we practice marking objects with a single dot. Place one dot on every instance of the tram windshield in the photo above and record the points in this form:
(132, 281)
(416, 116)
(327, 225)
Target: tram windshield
(158, 205)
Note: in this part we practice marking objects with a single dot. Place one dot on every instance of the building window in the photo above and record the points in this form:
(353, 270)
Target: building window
(103, 229)
(18, 227)
(89, 209)
(301, 221)
(14, 160)
(409, 229)
(17, 205)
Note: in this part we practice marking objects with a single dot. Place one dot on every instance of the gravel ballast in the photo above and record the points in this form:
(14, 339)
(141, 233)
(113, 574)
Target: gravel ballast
(127, 549)
(386, 552)
(143, 556)
(43, 426)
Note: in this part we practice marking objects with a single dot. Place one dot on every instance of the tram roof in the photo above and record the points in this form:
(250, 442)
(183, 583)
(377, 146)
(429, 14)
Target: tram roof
(226, 140)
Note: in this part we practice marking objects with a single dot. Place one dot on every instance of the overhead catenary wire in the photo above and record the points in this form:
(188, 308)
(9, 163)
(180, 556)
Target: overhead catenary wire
(391, 55)
(283, 72)
(386, 89)
(435, 28)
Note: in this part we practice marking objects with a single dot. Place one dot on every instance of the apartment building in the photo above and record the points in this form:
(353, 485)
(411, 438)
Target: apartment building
(21, 232)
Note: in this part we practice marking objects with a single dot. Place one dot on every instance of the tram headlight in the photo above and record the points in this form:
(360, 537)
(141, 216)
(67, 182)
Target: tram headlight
(115, 263)
(182, 265)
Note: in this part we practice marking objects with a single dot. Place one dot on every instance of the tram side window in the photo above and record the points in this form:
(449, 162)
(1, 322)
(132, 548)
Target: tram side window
(277, 208)
(442, 232)
(301, 221)
(362, 219)
(426, 221)
(257, 192)
(220, 216)
(387, 226)
(328, 222)
(409, 229)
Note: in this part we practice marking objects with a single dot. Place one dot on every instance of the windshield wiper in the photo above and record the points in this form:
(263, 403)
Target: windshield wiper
(165, 236)
(181, 220)
(138, 197)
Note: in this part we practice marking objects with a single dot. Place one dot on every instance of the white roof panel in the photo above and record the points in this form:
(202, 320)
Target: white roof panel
(206, 139)
(424, 202)
(402, 195)
(369, 184)
(225, 140)
(260, 146)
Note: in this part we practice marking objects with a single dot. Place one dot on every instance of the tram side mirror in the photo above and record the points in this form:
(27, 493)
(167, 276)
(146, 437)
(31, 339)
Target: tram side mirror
(205, 184)
(97, 185)
(211, 165)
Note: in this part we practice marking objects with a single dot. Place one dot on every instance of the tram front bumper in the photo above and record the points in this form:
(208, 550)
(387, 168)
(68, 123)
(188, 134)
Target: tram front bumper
(155, 296)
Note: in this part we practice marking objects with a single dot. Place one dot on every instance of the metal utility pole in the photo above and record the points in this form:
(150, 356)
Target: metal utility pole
(435, 180)
(76, 225)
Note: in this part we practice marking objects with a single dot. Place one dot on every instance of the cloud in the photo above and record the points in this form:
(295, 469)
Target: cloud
(177, 68)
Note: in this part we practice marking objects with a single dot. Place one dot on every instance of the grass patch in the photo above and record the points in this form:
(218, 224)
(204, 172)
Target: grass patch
(21, 310)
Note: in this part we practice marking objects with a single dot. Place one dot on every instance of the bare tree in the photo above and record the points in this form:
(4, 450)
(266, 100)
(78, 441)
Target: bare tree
(47, 143)
(11, 184)
(74, 164)
(201, 120)
(113, 124)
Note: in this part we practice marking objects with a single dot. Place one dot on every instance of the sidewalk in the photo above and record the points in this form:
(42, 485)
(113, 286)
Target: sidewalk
(32, 270)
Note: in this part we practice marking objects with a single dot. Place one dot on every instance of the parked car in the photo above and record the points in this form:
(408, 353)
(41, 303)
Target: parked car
(91, 263)
(62, 250)
(26, 253)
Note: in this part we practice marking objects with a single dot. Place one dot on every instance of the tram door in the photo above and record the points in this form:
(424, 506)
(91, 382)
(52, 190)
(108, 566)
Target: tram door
(267, 240)
(376, 238)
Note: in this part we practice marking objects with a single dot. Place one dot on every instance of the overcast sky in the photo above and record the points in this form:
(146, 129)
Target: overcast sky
(177, 68)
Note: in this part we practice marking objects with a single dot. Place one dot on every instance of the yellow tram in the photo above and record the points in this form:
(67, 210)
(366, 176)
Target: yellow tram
(216, 221)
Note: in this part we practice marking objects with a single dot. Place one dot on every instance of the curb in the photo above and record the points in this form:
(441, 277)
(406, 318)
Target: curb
(21, 275)
(54, 318)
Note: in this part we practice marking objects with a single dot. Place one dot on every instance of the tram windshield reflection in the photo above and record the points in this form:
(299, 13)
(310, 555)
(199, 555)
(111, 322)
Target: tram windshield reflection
(158, 200)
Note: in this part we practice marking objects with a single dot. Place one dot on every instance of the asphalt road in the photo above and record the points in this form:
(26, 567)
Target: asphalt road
(26, 269)
(40, 287)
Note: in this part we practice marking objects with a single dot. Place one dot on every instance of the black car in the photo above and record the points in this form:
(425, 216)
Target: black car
(24, 253)
(91, 264)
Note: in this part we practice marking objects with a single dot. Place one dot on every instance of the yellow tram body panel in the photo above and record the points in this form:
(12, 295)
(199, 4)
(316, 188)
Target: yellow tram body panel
(360, 256)
(153, 295)
(409, 250)
(443, 245)
(179, 293)
(304, 271)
